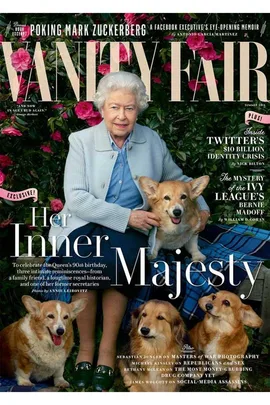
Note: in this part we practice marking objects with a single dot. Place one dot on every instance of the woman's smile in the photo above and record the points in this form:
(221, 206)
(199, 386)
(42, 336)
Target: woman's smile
(121, 125)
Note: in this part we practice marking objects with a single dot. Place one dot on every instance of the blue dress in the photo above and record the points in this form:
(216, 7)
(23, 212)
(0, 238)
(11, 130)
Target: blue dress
(86, 271)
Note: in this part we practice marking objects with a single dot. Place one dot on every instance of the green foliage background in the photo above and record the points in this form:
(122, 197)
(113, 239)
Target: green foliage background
(183, 125)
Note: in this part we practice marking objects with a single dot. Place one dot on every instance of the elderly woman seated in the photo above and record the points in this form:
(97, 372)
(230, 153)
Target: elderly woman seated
(106, 210)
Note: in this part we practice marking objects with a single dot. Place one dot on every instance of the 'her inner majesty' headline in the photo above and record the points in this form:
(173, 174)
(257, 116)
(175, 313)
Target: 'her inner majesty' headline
(180, 69)
(213, 266)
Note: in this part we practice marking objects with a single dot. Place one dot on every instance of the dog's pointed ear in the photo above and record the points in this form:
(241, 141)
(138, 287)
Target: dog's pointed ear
(32, 306)
(77, 306)
(179, 329)
(249, 317)
(198, 185)
(149, 186)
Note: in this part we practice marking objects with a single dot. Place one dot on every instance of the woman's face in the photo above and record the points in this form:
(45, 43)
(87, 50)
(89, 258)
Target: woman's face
(120, 113)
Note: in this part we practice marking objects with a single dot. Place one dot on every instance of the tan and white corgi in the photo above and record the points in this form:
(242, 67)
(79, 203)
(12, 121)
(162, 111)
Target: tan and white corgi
(175, 204)
(221, 337)
(38, 345)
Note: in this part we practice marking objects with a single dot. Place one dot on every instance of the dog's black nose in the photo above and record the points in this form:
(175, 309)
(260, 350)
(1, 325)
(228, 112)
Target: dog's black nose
(145, 330)
(208, 306)
(177, 212)
(60, 331)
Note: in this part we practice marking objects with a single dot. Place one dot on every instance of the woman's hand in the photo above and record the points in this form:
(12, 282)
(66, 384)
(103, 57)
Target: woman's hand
(143, 220)
(204, 219)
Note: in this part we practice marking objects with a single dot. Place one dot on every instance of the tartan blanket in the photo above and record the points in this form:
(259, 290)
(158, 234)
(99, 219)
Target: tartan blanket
(10, 385)
(217, 242)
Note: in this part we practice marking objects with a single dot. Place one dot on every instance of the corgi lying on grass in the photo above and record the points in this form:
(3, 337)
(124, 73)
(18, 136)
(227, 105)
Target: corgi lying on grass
(221, 338)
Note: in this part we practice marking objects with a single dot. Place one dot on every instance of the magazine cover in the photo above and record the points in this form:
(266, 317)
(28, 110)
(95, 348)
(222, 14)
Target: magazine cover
(134, 202)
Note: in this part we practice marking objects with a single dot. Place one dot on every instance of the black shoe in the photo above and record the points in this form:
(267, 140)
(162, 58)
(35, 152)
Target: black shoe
(82, 377)
(103, 378)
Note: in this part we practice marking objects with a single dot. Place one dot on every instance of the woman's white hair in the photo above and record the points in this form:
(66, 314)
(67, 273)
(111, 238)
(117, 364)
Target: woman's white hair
(121, 80)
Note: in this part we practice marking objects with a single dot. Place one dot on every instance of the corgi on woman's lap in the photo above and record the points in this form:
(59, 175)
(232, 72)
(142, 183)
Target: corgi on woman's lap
(175, 204)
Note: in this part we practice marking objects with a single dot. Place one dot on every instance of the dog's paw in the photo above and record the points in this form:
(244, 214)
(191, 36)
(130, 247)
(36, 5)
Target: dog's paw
(61, 383)
(25, 383)
(153, 255)
(234, 385)
(198, 257)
